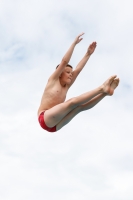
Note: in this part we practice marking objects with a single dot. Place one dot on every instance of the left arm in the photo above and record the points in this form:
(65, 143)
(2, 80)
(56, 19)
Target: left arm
(84, 60)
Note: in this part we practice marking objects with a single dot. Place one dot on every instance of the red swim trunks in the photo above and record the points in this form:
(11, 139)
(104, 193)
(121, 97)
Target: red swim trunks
(43, 125)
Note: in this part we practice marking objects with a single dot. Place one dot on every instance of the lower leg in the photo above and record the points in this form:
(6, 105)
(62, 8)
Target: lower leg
(105, 89)
(99, 97)
(93, 102)
(84, 98)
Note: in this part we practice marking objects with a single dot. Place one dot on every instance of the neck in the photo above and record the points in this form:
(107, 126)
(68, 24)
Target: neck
(63, 84)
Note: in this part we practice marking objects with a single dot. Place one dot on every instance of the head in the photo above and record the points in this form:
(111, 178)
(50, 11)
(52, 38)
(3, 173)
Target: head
(66, 75)
(66, 66)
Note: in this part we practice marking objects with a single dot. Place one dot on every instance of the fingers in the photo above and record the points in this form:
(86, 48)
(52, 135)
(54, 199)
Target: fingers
(81, 34)
(78, 39)
(93, 45)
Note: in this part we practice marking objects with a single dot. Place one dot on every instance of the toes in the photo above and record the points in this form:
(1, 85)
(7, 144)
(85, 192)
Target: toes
(117, 80)
(115, 83)
(112, 78)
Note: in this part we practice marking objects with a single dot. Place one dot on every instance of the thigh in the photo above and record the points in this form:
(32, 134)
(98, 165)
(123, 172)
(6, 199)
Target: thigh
(55, 114)
(69, 117)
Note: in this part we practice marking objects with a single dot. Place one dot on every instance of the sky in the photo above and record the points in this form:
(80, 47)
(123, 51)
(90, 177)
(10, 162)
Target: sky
(92, 156)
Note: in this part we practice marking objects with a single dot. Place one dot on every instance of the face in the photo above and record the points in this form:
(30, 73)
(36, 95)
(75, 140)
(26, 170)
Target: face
(66, 75)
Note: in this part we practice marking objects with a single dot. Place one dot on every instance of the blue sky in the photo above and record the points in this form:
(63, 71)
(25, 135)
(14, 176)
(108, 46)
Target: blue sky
(92, 156)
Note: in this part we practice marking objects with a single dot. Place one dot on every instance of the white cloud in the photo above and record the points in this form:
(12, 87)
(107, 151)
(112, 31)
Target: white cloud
(91, 157)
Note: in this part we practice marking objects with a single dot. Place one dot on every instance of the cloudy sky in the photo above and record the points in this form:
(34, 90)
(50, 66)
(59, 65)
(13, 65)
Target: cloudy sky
(92, 156)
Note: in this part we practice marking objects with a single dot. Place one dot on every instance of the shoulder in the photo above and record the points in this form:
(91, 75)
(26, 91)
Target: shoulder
(59, 70)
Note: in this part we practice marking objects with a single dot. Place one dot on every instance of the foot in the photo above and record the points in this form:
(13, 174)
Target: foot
(114, 84)
(107, 88)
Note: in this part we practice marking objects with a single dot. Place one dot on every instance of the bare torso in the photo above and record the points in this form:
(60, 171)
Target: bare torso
(54, 94)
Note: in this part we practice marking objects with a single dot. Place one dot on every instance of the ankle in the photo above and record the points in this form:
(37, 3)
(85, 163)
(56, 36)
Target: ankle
(101, 89)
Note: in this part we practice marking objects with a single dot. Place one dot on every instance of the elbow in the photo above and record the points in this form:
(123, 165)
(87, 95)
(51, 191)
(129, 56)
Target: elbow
(64, 61)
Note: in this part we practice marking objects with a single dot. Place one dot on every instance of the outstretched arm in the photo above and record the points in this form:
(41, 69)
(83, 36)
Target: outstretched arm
(84, 60)
(66, 58)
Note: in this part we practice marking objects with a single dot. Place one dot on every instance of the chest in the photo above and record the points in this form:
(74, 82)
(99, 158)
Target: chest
(56, 91)
(59, 92)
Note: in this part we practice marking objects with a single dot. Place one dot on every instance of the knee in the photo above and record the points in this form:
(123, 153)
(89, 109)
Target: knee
(72, 102)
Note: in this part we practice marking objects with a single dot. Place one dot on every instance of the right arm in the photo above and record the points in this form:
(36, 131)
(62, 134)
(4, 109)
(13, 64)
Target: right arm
(66, 58)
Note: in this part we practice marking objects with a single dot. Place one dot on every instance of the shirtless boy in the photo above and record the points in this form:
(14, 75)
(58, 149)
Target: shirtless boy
(54, 112)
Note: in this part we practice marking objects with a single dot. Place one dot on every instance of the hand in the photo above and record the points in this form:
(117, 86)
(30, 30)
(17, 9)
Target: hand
(91, 48)
(78, 39)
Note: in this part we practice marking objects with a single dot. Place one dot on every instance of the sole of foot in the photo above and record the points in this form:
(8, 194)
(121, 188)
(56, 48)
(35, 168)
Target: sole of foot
(113, 85)
(107, 85)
